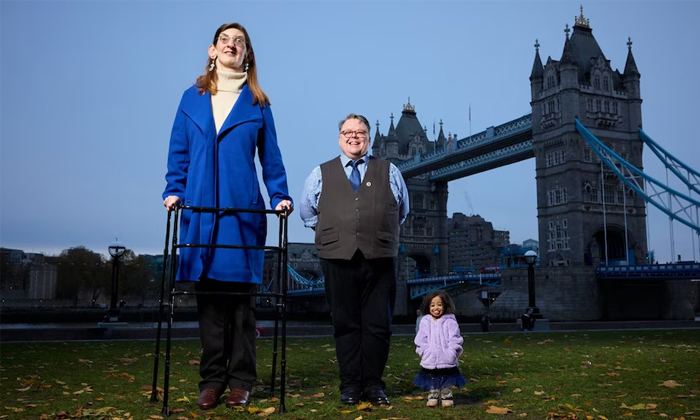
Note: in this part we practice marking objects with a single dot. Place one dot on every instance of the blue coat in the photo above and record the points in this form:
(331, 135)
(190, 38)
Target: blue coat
(206, 169)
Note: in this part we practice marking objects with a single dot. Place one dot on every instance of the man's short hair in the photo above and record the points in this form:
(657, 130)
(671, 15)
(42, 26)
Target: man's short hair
(354, 117)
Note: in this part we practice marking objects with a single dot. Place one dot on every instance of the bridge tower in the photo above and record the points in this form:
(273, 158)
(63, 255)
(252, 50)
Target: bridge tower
(583, 209)
(423, 246)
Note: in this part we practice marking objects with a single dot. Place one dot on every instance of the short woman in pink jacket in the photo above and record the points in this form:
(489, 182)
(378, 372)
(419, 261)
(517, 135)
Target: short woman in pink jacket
(439, 345)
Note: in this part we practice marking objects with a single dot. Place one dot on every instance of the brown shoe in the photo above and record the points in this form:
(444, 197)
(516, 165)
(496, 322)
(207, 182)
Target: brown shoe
(238, 396)
(209, 398)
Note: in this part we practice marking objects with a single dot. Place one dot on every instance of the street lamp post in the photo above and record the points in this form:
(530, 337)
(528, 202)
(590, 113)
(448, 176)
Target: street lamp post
(530, 258)
(116, 250)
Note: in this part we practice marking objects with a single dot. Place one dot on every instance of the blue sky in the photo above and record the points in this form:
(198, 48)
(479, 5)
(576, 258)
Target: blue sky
(89, 89)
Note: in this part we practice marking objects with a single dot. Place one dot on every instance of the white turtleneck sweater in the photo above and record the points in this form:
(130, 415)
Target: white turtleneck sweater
(228, 89)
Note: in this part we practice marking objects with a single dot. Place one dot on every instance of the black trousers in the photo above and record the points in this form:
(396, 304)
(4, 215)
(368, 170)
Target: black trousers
(361, 296)
(227, 333)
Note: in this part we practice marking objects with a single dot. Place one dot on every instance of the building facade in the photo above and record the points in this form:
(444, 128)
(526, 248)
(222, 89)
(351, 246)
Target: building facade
(474, 243)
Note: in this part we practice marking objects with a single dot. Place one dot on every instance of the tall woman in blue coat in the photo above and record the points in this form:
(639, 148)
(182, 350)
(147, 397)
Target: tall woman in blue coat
(220, 123)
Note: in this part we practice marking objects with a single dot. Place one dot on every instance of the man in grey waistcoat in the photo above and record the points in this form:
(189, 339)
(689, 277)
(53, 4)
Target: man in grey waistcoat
(355, 203)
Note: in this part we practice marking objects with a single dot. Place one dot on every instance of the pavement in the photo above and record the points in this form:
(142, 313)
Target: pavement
(190, 330)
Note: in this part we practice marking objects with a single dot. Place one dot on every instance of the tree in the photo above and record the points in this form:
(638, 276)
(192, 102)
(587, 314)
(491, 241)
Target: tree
(136, 275)
(81, 269)
(14, 276)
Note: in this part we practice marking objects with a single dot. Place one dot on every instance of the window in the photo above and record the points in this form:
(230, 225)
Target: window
(587, 153)
(550, 105)
(558, 235)
(433, 204)
(550, 81)
(413, 151)
(556, 157)
(590, 193)
(589, 104)
(609, 190)
(418, 227)
(614, 105)
(596, 82)
(418, 202)
(557, 196)
(598, 105)
(606, 84)
(607, 107)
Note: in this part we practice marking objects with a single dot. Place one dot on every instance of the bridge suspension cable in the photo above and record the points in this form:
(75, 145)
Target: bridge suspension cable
(658, 194)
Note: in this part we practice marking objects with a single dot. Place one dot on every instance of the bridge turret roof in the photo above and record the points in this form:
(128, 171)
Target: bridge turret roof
(583, 46)
(377, 142)
(537, 70)
(567, 56)
(630, 65)
(441, 136)
(408, 127)
(392, 130)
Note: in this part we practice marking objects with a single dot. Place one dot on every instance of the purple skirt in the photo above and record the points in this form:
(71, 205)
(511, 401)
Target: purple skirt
(429, 379)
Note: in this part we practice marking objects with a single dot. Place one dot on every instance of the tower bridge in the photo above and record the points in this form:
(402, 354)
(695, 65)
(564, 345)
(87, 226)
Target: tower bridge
(585, 123)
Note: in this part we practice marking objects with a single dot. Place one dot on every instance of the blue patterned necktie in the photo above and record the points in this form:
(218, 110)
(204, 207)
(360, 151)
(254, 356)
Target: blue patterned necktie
(355, 174)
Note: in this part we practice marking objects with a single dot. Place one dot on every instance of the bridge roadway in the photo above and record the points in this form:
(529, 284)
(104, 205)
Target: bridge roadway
(421, 286)
(492, 148)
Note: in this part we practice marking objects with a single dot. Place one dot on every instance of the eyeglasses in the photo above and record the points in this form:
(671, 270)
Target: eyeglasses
(238, 41)
(350, 134)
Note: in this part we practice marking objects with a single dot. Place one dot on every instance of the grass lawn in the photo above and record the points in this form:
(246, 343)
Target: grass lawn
(576, 375)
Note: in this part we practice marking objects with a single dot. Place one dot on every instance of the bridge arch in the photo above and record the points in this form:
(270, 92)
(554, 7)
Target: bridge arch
(416, 264)
(616, 245)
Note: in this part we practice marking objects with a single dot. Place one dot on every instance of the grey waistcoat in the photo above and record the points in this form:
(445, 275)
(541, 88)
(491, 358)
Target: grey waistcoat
(367, 220)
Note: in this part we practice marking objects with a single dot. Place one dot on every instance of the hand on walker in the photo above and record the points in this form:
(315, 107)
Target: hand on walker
(285, 204)
(172, 202)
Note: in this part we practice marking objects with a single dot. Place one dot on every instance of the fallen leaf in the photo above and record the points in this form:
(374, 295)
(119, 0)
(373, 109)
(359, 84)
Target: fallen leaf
(670, 384)
(516, 390)
(639, 406)
(267, 411)
(364, 406)
(15, 409)
(319, 395)
(498, 410)
(193, 362)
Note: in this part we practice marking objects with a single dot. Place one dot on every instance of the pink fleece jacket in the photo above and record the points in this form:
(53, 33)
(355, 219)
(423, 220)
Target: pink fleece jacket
(439, 342)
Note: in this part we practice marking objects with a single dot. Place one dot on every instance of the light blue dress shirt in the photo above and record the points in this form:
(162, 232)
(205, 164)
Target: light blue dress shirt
(308, 208)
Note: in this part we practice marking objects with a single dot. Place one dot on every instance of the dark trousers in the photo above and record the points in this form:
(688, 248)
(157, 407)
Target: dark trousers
(361, 296)
(227, 333)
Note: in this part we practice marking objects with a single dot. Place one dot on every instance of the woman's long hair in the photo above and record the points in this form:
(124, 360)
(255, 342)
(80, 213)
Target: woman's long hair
(447, 304)
(207, 81)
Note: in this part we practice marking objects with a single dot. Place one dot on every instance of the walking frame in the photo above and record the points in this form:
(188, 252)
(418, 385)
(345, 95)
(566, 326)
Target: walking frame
(277, 293)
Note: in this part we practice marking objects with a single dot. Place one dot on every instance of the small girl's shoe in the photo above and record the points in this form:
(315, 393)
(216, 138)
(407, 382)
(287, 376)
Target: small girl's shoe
(433, 398)
(446, 397)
